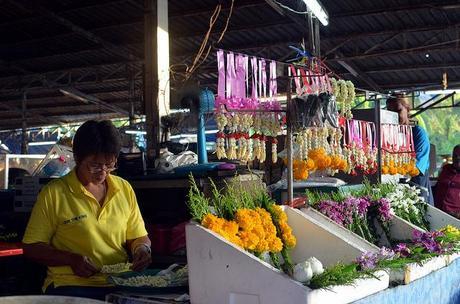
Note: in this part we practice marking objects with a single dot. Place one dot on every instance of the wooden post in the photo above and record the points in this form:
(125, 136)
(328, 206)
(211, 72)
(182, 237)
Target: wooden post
(24, 148)
(156, 72)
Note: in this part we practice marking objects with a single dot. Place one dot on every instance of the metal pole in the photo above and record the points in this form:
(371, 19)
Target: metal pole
(131, 97)
(290, 176)
(317, 39)
(377, 136)
(311, 34)
(24, 147)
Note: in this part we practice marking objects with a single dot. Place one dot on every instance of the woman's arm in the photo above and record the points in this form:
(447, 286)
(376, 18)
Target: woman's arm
(48, 255)
(141, 253)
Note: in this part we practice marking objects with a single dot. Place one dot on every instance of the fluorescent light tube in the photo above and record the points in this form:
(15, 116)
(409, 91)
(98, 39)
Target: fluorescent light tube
(318, 11)
(41, 143)
(135, 132)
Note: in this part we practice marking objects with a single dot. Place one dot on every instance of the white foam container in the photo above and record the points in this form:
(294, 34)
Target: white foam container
(221, 272)
(399, 229)
(439, 219)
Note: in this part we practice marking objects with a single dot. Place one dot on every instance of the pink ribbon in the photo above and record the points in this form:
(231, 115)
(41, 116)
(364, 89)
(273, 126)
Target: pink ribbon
(254, 77)
(221, 76)
(230, 74)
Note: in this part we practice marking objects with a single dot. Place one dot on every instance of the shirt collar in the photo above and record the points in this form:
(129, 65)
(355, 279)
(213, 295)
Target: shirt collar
(76, 186)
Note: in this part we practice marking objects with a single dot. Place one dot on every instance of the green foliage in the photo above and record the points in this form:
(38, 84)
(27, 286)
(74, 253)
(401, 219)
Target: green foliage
(443, 127)
(197, 203)
(340, 274)
(315, 197)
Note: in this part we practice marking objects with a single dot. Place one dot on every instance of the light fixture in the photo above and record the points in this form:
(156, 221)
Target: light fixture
(42, 143)
(427, 55)
(318, 11)
(135, 132)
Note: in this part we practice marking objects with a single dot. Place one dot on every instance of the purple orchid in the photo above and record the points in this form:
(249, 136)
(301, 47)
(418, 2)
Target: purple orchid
(402, 250)
(386, 253)
(428, 240)
(384, 208)
(367, 260)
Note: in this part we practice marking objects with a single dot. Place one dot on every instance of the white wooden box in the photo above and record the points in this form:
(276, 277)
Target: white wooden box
(221, 272)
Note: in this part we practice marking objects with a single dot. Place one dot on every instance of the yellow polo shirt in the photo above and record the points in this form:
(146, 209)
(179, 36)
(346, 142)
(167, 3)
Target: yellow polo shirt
(68, 217)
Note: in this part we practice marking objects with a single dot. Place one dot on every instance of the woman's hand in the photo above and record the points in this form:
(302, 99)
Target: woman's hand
(82, 266)
(142, 258)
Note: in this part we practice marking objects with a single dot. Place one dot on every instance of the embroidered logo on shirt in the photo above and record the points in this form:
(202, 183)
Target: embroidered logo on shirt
(75, 219)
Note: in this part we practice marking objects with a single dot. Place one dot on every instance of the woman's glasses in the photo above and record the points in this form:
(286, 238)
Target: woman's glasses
(94, 168)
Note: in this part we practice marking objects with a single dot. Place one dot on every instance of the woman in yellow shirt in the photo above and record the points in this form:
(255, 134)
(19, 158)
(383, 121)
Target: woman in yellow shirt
(87, 219)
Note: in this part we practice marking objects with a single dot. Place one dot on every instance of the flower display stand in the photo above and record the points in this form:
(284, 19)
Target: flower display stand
(414, 271)
(323, 221)
(399, 229)
(221, 272)
(439, 219)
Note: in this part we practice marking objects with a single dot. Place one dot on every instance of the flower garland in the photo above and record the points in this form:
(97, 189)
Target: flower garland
(238, 115)
(344, 92)
(398, 150)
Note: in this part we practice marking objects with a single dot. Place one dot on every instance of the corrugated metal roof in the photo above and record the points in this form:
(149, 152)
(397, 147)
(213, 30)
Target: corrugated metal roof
(388, 40)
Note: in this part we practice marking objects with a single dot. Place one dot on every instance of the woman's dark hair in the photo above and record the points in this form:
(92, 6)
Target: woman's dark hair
(96, 137)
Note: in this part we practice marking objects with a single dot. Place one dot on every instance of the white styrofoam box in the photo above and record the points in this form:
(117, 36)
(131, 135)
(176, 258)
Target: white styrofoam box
(221, 272)
(333, 242)
(400, 229)
(451, 257)
(414, 271)
(439, 219)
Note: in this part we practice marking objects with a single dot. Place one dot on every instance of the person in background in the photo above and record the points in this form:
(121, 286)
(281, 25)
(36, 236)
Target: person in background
(447, 196)
(401, 105)
(87, 219)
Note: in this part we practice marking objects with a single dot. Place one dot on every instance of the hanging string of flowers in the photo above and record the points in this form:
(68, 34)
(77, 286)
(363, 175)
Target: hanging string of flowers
(398, 150)
(246, 124)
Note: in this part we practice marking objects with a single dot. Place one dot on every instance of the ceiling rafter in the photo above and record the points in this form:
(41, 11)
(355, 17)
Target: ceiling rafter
(117, 49)
(441, 5)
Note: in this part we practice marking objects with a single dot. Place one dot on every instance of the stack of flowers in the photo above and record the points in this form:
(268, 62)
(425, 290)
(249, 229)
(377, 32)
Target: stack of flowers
(422, 247)
(354, 213)
(248, 219)
(404, 200)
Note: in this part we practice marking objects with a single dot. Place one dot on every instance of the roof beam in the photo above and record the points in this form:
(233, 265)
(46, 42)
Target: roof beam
(442, 46)
(86, 98)
(242, 4)
(90, 67)
(428, 105)
(422, 67)
(46, 36)
(421, 85)
(444, 5)
(17, 21)
(378, 45)
(119, 50)
(356, 71)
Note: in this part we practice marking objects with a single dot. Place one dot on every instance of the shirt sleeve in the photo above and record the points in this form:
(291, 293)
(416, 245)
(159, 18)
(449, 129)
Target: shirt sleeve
(422, 149)
(135, 226)
(42, 222)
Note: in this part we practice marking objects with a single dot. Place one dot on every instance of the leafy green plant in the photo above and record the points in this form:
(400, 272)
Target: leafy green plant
(197, 203)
